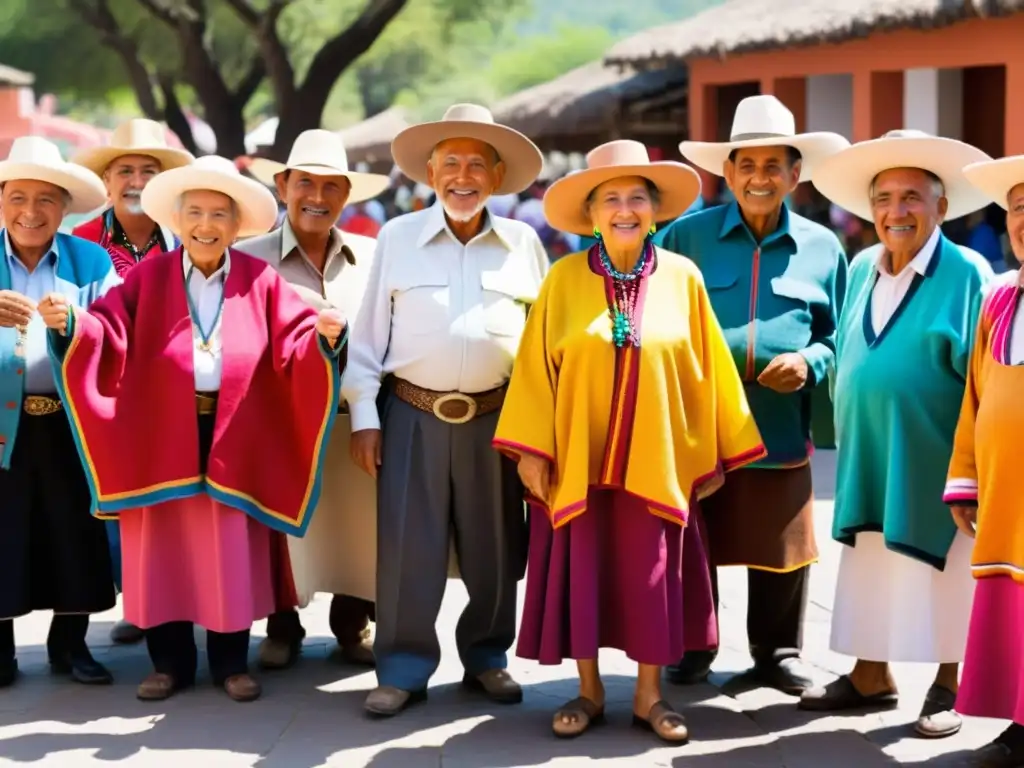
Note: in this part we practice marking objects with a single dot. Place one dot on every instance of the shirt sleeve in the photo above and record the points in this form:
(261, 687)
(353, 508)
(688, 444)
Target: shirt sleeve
(820, 354)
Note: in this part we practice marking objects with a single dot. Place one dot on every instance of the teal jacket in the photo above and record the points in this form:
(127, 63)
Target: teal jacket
(782, 295)
(84, 272)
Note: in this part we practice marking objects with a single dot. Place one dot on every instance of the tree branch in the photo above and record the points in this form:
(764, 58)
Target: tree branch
(175, 115)
(250, 83)
(275, 56)
(158, 10)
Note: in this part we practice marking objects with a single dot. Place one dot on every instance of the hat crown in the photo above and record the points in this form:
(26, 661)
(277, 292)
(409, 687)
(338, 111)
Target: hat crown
(139, 132)
(217, 164)
(36, 150)
(319, 147)
(907, 133)
(470, 113)
(615, 153)
(762, 116)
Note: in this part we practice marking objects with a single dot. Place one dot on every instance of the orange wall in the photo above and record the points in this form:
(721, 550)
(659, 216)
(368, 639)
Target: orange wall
(877, 63)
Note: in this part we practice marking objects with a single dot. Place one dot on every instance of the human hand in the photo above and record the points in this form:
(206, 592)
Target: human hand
(16, 310)
(330, 324)
(786, 373)
(535, 472)
(966, 518)
(364, 448)
(54, 310)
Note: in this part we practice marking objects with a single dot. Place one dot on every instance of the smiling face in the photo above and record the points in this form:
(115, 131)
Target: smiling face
(208, 222)
(314, 203)
(32, 212)
(125, 178)
(761, 178)
(464, 173)
(907, 204)
(623, 210)
(1015, 221)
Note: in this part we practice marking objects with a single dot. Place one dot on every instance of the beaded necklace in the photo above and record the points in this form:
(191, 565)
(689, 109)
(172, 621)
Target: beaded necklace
(626, 290)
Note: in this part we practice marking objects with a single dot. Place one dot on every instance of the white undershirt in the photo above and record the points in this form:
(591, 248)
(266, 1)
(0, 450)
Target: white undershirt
(206, 294)
(890, 289)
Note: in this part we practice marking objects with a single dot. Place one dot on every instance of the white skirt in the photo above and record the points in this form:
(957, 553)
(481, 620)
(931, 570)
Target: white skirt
(890, 607)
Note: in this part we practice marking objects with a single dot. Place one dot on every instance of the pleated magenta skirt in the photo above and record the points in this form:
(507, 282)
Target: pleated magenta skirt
(616, 577)
(992, 684)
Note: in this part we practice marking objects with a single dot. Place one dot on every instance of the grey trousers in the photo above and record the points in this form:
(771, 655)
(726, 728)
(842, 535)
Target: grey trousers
(436, 477)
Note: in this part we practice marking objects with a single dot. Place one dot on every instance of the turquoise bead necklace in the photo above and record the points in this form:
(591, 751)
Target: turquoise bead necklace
(626, 287)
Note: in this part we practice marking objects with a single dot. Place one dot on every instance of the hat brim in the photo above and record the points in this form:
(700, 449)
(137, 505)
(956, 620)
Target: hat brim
(98, 159)
(362, 186)
(813, 148)
(257, 207)
(996, 178)
(523, 160)
(86, 189)
(845, 178)
(565, 201)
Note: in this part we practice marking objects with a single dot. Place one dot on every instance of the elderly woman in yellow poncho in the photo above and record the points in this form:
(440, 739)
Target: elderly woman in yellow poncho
(624, 408)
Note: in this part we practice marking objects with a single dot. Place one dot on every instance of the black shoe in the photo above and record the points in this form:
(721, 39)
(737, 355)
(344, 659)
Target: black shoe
(82, 668)
(1007, 751)
(693, 668)
(8, 673)
(790, 676)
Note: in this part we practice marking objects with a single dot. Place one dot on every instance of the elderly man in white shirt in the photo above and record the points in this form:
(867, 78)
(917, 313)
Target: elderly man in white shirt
(432, 352)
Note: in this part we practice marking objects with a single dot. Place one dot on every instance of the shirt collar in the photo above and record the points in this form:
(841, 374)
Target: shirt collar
(734, 220)
(112, 225)
(335, 244)
(51, 256)
(186, 265)
(436, 223)
(920, 262)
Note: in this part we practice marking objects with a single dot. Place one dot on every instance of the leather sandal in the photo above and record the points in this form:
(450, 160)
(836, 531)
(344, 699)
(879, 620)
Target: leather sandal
(842, 695)
(937, 719)
(664, 722)
(242, 688)
(581, 713)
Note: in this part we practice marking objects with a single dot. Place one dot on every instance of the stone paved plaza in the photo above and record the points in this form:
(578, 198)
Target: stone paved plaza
(311, 715)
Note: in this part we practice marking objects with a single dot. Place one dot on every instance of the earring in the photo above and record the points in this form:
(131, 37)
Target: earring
(654, 228)
(597, 233)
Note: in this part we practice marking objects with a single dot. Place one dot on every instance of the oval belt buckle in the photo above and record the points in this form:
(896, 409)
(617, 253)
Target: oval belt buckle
(471, 407)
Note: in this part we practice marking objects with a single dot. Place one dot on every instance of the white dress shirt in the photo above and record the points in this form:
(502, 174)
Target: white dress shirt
(439, 314)
(207, 299)
(890, 289)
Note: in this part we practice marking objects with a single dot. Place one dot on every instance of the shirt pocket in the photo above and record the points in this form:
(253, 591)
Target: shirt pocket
(504, 315)
(720, 277)
(799, 293)
(421, 303)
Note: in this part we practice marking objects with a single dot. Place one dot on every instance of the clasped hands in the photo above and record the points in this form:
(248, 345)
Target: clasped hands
(16, 310)
(330, 324)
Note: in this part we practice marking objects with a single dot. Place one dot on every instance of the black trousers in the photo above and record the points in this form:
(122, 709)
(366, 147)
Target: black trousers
(66, 637)
(172, 648)
(349, 618)
(775, 612)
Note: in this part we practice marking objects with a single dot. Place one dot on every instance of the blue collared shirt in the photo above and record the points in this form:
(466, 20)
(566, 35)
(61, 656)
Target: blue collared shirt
(35, 285)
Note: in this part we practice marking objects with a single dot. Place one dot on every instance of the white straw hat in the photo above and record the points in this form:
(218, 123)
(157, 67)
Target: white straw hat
(134, 137)
(995, 178)
(35, 158)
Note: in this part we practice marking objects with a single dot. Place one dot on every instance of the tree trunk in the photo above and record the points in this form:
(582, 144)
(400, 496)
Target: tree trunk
(228, 124)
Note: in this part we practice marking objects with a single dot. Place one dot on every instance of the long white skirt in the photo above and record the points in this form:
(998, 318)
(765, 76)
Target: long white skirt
(890, 607)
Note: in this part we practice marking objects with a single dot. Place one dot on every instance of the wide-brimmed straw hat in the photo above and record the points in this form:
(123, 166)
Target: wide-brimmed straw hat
(845, 178)
(764, 121)
(565, 201)
(134, 137)
(321, 153)
(35, 158)
(995, 178)
(257, 208)
(523, 161)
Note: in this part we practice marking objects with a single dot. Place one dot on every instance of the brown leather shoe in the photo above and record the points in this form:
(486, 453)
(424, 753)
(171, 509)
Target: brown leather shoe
(242, 688)
(360, 654)
(277, 654)
(388, 701)
(496, 684)
(156, 687)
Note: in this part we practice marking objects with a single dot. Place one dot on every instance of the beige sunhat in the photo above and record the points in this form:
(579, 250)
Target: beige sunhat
(764, 121)
(523, 160)
(565, 201)
(256, 205)
(35, 158)
(845, 178)
(321, 153)
(995, 178)
(134, 137)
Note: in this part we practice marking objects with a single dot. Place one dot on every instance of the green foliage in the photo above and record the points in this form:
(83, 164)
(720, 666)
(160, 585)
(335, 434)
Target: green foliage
(545, 57)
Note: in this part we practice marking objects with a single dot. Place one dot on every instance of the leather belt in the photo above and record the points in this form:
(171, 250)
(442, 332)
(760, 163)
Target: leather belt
(41, 405)
(450, 407)
(206, 403)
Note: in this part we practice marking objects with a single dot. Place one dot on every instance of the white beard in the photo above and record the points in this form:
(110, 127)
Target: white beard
(133, 205)
(464, 216)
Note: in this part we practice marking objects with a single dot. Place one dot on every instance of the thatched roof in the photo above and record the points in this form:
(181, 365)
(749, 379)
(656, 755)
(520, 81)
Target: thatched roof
(585, 100)
(741, 26)
(11, 76)
(370, 140)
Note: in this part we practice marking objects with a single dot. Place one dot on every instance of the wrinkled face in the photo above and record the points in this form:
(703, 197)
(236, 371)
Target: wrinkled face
(314, 203)
(1015, 220)
(125, 178)
(623, 210)
(32, 211)
(760, 178)
(907, 205)
(464, 173)
(208, 223)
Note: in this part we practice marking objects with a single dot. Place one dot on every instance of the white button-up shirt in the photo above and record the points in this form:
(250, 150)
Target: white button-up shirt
(890, 289)
(206, 295)
(439, 314)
